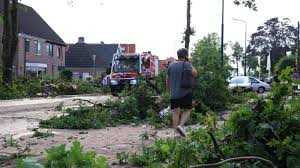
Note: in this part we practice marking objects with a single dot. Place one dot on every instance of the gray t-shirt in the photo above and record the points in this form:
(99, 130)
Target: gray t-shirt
(175, 71)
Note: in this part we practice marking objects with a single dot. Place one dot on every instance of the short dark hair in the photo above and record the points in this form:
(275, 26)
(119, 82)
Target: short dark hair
(182, 53)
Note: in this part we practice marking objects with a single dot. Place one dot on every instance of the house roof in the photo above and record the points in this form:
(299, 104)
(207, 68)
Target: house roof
(31, 23)
(79, 55)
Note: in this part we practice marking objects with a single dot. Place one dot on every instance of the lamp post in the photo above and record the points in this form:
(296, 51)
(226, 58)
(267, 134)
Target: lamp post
(94, 61)
(245, 56)
(222, 36)
(298, 43)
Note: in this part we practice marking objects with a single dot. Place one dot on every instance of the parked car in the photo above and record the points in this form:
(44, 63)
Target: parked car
(247, 83)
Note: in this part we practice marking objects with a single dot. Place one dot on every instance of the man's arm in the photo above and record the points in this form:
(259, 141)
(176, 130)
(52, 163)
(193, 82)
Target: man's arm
(194, 72)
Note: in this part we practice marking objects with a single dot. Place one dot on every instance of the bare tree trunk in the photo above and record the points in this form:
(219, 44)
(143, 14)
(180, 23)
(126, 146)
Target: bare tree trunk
(9, 39)
(14, 28)
(6, 41)
(237, 68)
(188, 30)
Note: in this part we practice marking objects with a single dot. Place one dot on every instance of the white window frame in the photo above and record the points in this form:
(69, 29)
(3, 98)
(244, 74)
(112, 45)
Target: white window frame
(49, 49)
(38, 47)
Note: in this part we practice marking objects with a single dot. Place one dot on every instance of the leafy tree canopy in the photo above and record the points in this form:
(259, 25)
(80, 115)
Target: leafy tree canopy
(247, 3)
(211, 86)
(275, 37)
(237, 55)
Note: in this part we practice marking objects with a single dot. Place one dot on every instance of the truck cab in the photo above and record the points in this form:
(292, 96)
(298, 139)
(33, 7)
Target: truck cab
(127, 67)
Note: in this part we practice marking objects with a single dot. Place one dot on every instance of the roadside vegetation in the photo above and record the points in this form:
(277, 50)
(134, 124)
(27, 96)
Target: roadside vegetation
(24, 87)
(60, 157)
(262, 133)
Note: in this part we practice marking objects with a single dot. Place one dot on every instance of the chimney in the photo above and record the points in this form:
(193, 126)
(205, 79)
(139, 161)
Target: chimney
(81, 40)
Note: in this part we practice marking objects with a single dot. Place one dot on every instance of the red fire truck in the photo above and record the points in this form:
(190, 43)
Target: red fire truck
(127, 67)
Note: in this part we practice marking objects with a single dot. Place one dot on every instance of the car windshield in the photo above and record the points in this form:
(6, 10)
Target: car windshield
(130, 64)
(238, 80)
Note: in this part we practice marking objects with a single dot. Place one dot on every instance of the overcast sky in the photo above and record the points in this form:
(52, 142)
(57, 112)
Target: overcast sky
(155, 25)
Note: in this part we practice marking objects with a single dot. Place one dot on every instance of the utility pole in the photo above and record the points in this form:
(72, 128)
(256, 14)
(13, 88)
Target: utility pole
(222, 36)
(245, 54)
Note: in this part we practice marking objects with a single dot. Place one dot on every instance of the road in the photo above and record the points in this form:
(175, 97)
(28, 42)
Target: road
(20, 117)
(27, 105)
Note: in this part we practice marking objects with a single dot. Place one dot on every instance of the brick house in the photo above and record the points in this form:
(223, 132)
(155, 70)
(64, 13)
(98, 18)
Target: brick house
(163, 64)
(40, 50)
(79, 57)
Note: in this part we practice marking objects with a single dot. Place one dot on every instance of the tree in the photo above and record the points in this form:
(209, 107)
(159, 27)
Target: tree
(285, 62)
(10, 38)
(237, 55)
(211, 87)
(275, 37)
(189, 31)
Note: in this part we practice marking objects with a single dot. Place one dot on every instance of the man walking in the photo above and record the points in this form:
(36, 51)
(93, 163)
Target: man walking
(181, 97)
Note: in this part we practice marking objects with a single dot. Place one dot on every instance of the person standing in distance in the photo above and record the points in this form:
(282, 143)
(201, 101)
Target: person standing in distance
(180, 97)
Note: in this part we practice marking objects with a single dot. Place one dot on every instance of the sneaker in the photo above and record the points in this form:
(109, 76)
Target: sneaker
(181, 131)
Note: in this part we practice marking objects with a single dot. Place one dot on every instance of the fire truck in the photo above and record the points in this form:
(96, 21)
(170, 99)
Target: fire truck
(127, 67)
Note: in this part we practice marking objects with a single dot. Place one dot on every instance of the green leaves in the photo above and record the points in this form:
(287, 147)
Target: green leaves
(28, 163)
(59, 157)
(247, 3)
(211, 86)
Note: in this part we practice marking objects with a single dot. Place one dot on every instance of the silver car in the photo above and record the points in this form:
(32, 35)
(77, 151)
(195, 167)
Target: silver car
(248, 83)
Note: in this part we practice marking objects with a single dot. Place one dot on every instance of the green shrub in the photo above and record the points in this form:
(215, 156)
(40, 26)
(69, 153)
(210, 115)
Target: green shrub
(66, 75)
(113, 113)
(176, 153)
(138, 104)
(76, 87)
(211, 86)
(284, 62)
(86, 87)
(20, 88)
(266, 127)
(59, 157)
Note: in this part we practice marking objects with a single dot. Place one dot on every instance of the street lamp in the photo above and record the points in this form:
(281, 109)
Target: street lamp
(222, 36)
(94, 61)
(298, 43)
(245, 56)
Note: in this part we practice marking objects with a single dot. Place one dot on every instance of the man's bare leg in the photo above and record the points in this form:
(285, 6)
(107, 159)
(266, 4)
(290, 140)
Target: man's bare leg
(176, 116)
(185, 117)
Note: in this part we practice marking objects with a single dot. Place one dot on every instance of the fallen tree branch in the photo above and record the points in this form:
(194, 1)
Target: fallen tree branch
(94, 104)
(217, 148)
(236, 159)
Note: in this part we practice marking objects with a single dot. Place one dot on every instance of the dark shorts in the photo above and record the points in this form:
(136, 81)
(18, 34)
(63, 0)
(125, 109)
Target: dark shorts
(183, 103)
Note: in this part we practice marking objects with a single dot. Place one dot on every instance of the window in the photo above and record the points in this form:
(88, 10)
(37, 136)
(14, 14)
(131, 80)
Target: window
(38, 47)
(27, 45)
(252, 80)
(58, 52)
(49, 50)
(238, 80)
